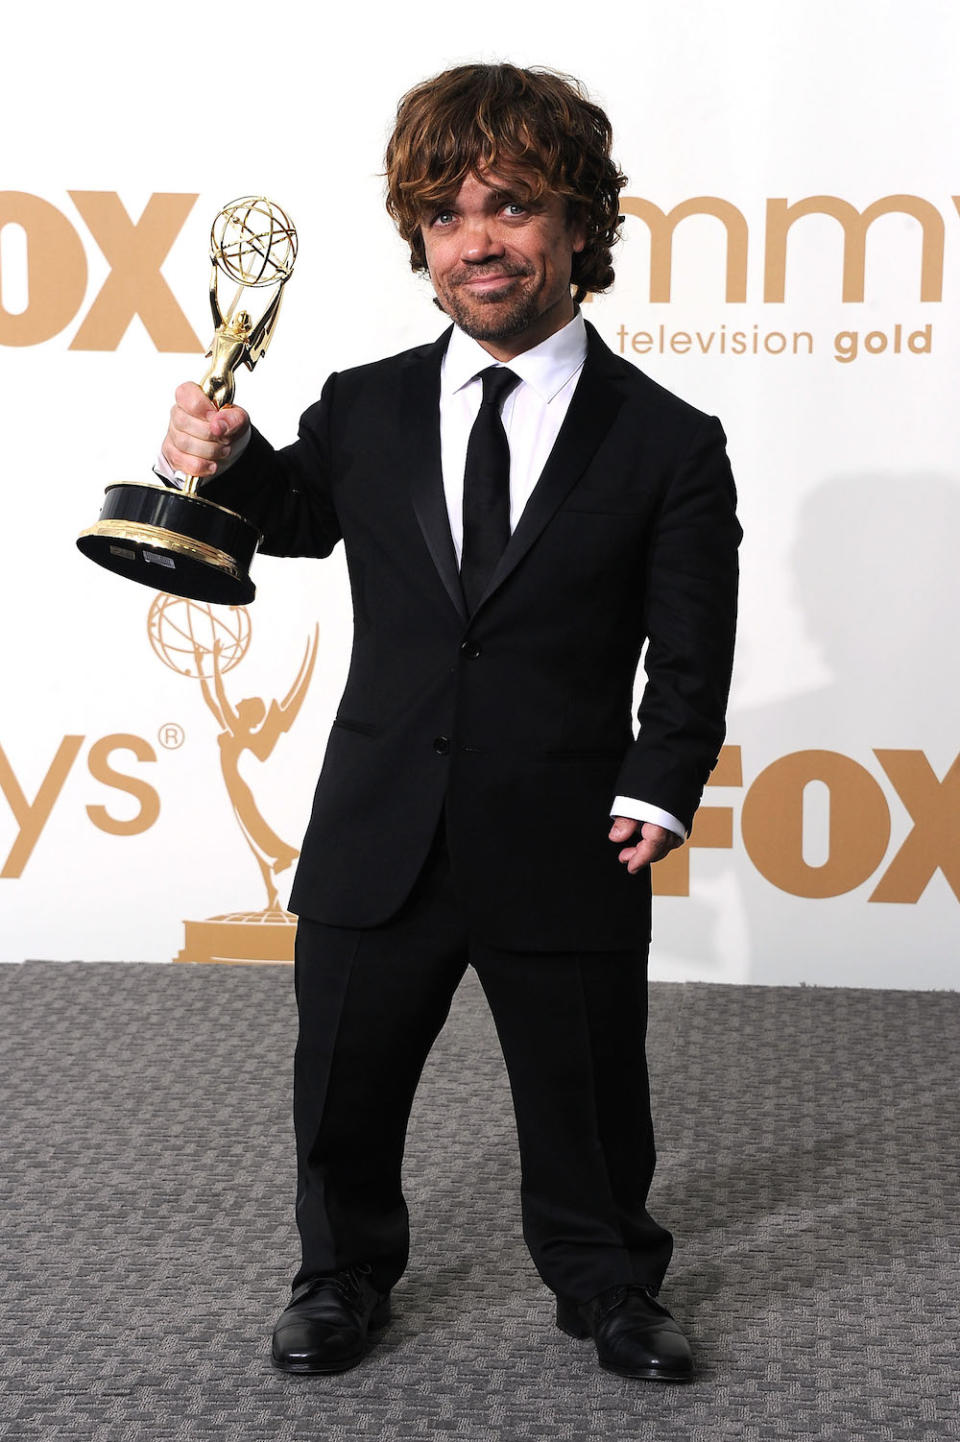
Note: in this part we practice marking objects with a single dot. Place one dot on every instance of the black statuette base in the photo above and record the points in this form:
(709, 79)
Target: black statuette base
(174, 542)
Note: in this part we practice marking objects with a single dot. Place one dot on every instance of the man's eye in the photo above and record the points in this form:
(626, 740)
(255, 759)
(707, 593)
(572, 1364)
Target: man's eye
(443, 217)
(514, 207)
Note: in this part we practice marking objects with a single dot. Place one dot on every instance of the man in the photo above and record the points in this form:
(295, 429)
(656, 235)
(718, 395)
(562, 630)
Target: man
(521, 511)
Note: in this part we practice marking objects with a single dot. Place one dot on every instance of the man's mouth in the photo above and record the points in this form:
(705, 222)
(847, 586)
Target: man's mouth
(489, 280)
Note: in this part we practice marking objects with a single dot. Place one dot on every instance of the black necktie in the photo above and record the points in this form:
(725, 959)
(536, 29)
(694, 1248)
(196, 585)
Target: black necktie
(486, 487)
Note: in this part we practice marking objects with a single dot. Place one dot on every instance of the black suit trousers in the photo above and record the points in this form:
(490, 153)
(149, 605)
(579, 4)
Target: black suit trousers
(571, 1026)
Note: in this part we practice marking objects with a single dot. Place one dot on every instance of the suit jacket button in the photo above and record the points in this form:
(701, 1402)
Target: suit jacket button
(470, 649)
(441, 744)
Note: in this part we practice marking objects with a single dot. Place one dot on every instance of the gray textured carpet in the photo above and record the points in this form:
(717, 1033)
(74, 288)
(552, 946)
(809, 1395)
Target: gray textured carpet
(808, 1168)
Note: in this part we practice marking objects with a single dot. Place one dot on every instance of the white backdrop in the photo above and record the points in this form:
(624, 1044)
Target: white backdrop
(829, 862)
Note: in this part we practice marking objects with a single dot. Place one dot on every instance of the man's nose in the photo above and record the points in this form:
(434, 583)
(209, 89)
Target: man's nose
(480, 240)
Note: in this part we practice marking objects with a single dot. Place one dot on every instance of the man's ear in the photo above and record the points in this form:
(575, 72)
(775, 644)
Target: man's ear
(577, 226)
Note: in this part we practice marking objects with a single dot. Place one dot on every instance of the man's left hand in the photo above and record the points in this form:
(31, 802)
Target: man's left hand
(650, 843)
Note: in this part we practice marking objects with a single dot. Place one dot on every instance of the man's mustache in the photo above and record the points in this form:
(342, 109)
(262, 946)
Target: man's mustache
(467, 273)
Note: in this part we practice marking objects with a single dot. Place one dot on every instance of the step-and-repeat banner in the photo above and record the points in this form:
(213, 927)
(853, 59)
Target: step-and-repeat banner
(790, 263)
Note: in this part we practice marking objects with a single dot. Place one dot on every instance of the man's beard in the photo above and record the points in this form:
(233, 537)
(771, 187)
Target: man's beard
(491, 319)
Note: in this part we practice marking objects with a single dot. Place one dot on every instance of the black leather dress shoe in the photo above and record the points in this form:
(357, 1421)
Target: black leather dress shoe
(635, 1334)
(327, 1326)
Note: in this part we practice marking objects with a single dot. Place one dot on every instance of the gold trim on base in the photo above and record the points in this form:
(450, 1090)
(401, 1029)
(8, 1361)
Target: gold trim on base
(141, 534)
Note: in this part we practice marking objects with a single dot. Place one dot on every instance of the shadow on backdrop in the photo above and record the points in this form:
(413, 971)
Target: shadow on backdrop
(877, 585)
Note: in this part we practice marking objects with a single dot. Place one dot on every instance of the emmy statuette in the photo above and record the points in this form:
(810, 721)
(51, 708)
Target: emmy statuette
(205, 643)
(175, 540)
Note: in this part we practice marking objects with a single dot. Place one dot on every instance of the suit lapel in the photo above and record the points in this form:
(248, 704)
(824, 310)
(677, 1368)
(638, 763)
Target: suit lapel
(420, 409)
(592, 411)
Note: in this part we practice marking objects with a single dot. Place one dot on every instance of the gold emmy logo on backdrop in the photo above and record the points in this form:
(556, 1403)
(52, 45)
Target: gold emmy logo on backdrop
(172, 538)
(202, 643)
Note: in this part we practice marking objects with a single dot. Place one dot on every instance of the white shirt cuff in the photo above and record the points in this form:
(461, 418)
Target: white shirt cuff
(163, 469)
(640, 811)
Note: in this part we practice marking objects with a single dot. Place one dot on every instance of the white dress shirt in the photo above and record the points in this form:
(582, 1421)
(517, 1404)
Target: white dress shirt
(532, 415)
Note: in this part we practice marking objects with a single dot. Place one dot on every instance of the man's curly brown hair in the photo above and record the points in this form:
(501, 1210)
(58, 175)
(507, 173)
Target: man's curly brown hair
(535, 127)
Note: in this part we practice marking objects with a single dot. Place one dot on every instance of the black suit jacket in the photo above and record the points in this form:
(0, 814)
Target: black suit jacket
(515, 721)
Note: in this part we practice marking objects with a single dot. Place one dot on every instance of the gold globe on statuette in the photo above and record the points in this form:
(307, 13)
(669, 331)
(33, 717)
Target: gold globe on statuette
(174, 539)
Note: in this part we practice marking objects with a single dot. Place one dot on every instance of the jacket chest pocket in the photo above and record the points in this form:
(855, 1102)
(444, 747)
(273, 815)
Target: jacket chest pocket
(634, 507)
(589, 541)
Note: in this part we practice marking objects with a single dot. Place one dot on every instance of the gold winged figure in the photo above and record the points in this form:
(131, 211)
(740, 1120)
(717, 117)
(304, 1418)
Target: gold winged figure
(253, 726)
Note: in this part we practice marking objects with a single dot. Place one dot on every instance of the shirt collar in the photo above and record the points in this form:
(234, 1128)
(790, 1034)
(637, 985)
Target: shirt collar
(546, 367)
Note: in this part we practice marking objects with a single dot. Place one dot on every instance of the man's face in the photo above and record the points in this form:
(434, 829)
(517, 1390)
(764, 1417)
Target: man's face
(500, 263)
